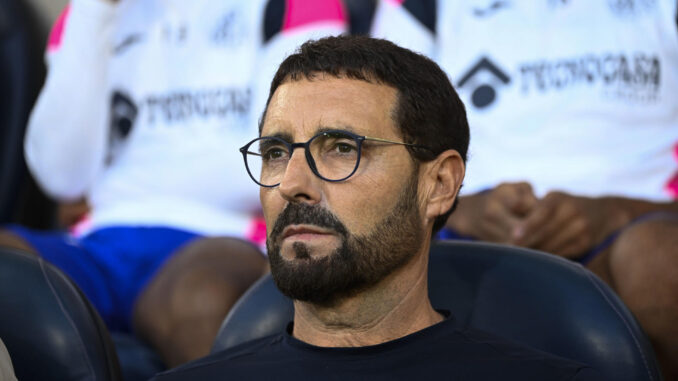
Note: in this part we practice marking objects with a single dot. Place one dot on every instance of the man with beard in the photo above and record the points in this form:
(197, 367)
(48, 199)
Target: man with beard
(361, 154)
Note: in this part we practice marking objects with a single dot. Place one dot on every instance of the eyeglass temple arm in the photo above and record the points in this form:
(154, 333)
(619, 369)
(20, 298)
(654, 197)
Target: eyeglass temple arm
(392, 142)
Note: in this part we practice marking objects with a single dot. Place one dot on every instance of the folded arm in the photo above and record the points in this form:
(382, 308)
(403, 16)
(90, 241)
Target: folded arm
(559, 223)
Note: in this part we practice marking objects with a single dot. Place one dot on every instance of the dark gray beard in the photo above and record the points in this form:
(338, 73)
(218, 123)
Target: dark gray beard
(357, 264)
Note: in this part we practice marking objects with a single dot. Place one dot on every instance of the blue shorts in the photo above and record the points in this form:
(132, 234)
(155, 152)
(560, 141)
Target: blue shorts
(585, 258)
(112, 265)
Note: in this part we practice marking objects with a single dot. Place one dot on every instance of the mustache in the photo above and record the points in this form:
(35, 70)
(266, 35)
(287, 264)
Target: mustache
(299, 213)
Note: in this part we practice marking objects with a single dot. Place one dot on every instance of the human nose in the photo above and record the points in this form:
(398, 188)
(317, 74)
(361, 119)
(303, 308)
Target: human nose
(299, 184)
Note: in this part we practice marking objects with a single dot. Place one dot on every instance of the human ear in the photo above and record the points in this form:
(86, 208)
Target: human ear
(444, 177)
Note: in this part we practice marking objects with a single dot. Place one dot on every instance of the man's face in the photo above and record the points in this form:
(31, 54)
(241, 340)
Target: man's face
(330, 240)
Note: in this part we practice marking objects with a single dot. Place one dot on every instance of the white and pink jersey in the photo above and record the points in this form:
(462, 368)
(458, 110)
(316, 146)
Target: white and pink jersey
(147, 102)
(578, 95)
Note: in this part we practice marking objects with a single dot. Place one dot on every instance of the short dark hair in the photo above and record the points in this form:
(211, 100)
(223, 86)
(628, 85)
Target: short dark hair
(428, 110)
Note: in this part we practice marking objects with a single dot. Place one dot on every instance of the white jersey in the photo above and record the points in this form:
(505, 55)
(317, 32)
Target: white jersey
(579, 96)
(147, 102)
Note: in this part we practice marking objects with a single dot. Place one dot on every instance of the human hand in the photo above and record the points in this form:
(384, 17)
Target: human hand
(494, 215)
(562, 224)
(70, 213)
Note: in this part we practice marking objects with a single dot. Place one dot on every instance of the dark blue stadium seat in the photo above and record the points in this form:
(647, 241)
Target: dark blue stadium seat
(49, 328)
(541, 300)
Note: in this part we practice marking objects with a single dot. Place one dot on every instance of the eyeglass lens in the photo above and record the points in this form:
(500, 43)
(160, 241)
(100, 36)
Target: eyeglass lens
(334, 154)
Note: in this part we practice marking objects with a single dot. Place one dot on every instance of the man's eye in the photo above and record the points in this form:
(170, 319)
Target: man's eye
(274, 153)
(344, 148)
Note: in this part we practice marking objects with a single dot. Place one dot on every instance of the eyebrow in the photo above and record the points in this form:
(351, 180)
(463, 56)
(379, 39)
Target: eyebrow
(288, 137)
(281, 135)
(265, 145)
(344, 127)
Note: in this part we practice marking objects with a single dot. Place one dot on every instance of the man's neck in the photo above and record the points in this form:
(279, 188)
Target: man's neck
(396, 307)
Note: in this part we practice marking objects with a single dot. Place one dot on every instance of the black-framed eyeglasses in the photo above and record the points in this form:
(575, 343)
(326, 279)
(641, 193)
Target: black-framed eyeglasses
(332, 155)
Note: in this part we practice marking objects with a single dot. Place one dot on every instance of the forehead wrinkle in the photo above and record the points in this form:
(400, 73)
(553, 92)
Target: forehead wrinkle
(340, 127)
(286, 136)
(284, 115)
(324, 126)
(281, 135)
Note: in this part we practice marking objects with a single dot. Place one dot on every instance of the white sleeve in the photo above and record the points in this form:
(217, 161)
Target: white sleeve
(66, 137)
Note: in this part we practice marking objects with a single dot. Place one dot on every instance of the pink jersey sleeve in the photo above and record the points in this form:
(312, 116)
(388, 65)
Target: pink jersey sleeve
(57, 32)
(672, 184)
(303, 13)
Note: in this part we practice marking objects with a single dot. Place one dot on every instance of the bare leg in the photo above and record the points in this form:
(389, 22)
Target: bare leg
(642, 267)
(182, 308)
(9, 239)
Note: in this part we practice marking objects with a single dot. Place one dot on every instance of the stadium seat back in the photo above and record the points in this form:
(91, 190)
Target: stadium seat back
(49, 328)
(541, 300)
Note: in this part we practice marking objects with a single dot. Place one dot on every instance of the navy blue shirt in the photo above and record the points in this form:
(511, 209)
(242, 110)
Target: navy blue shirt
(440, 351)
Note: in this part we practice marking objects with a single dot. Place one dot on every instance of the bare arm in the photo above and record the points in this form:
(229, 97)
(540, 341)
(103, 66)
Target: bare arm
(559, 223)
(570, 225)
(493, 215)
(67, 133)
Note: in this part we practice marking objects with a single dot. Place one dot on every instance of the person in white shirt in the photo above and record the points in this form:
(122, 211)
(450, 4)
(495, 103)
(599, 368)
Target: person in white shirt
(574, 125)
(142, 112)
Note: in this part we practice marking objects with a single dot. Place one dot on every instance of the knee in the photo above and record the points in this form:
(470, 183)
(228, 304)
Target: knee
(644, 255)
(203, 291)
(649, 240)
(11, 240)
(198, 284)
(216, 266)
